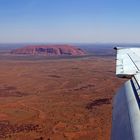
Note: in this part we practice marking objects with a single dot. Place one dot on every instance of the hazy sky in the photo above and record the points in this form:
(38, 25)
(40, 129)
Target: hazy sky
(70, 21)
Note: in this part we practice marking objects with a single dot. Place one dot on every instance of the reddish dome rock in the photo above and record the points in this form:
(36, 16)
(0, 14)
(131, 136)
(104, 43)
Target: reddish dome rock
(49, 50)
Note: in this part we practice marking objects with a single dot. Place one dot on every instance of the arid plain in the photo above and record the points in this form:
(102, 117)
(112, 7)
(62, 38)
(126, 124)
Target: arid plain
(57, 99)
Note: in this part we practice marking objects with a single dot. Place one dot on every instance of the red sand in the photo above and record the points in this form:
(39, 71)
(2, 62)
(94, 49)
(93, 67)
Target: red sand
(64, 99)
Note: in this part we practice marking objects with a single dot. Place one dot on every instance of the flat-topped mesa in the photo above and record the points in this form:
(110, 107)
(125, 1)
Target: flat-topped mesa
(49, 50)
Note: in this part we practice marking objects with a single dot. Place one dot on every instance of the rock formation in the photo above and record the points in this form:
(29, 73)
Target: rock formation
(49, 50)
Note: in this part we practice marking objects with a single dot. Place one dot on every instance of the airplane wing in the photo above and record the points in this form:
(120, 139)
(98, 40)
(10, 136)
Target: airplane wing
(128, 62)
(126, 104)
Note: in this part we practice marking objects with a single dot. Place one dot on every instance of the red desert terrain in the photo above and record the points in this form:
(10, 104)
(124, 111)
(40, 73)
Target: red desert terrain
(57, 99)
(49, 50)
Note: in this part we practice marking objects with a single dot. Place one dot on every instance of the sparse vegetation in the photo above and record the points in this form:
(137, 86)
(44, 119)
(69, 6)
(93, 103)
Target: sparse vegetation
(57, 98)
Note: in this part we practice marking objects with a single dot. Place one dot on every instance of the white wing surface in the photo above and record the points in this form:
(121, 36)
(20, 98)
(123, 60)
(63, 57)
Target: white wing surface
(126, 105)
(128, 62)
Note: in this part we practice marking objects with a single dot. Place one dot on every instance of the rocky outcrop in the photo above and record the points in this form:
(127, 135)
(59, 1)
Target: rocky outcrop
(49, 50)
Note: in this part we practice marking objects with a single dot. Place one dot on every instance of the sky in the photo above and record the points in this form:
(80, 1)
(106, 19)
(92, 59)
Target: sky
(72, 21)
